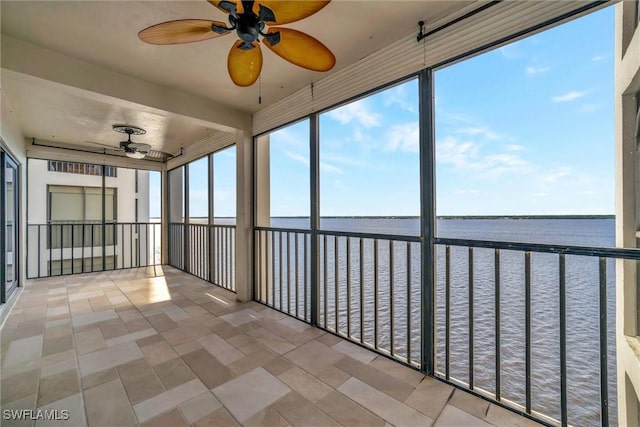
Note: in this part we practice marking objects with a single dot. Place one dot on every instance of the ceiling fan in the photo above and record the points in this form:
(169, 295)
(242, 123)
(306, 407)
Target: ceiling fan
(249, 19)
(132, 149)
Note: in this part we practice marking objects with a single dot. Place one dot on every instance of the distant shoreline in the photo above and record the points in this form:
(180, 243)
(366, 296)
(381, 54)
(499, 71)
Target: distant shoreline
(448, 217)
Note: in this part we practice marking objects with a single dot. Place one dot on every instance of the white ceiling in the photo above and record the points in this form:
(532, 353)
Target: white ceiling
(104, 33)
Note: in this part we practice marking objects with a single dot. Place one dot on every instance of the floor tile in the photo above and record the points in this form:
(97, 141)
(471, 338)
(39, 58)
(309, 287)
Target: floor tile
(20, 385)
(454, 417)
(108, 405)
(174, 372)
(99, 378)
(109, 357)
(168, 400)
(22, 350)
(89, 341)
(159, 352)
(305, 384)
(469, 403)
(199, 407)
(91, 318)
(169, 419)
(220, 349)
(58, 386)
(300, 412)
(295, 324)
(131, 337)
(27, 403)
(250, 393)
(218, 418)
(72, 406)
(268, 417)
(272, 341)
(355, 352)
(379, 380)
(314, 357)
(384, 406)
(139, 380)
(397, 370)
(207, 368)
(430, 397)
(504, 418)
(241, 317)
(347, 412)
(333, 376)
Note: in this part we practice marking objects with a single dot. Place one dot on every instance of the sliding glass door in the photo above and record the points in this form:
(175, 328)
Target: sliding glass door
(9, 226)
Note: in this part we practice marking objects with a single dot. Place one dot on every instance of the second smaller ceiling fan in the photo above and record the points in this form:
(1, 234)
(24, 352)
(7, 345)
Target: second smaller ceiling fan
(249, 20)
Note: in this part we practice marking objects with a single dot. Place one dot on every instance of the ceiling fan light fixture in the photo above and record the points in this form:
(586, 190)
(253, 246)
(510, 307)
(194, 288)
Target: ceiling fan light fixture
(134, 154)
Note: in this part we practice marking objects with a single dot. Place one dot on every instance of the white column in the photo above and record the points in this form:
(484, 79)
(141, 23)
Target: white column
(244, 208)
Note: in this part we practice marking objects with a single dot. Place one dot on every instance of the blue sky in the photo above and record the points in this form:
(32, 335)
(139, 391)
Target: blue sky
(524, 129)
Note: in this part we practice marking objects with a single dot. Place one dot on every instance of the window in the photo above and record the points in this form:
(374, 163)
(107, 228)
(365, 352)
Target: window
(81, 168)
(75, 205)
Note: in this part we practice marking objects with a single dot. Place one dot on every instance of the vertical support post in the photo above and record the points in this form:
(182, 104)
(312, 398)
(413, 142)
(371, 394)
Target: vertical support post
(185, 212)
(427, 218)
(314, 171)
(104, 218)
(211, 214)
(604, 373)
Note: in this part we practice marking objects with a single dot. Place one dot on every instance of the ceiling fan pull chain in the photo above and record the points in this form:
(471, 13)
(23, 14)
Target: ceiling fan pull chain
(259, 90)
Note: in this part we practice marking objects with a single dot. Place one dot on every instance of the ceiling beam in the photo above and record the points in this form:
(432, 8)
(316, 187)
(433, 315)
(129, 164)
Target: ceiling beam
(45, 67)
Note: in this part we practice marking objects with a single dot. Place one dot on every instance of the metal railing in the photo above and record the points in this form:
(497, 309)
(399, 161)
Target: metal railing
(494, 321)
(368, 285)
(206, 251)
(78, 247)
(501, 336)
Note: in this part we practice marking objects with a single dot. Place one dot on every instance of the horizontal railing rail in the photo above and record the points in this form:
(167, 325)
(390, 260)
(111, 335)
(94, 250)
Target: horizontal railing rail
(206, 251)
(503, 307)
(57, 249)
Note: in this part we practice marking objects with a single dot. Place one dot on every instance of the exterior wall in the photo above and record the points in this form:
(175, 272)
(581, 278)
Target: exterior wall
(124, 183)
(627, 85)
(15, 143)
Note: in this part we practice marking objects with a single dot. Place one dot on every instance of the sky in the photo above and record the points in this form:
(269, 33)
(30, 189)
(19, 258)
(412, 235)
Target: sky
(525, 129)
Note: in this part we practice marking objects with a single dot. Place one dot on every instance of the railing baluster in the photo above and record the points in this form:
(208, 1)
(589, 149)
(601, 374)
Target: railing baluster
(361, 260)
(409, 303)
(447, 310)
(375, 293)
(497, 318)
(348, 286)
(62, 249)
(336, 292)
(280, 266)
(306, 311)
(297, 281)
(326, 286)
(471, 348)
(39, 261)
(288, 273)
(604, 374)
(273, 269)
(391, 293)
(527, 304)
(92, 242)
(564, 419)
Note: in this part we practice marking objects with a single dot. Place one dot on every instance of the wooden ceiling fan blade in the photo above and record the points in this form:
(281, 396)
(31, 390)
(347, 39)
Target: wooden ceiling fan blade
(244, 65)
(181, 31)
(292, 11)
(301, 49)
(228, 5)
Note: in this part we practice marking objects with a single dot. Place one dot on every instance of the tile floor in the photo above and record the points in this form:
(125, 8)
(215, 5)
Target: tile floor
(130, 347)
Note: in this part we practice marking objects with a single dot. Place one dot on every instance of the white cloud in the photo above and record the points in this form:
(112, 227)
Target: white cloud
(569, 96)
(598, 58)
(467, 156)
(349, 161)
(479, 131)
(357, 111)
(405, 137)
(511, 51)
(531, 70)
(515, 147)
(297, 157)
(330, 168)
(399, 96)
(556, 174)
